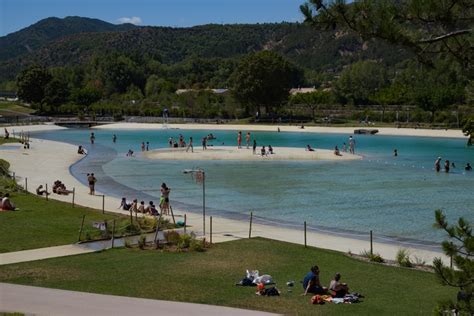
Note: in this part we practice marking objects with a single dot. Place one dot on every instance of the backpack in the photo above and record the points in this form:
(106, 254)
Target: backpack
(271, 292)
(246, 282)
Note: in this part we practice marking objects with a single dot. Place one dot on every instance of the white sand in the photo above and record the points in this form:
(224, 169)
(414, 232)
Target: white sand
(233, 153)
(309, 129)
(47, 161)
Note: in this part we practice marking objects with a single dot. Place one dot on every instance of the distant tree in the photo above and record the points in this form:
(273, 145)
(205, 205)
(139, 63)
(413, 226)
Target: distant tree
(460, 247)
(395, 94)
(430, 29)
(32, 82)
(264, 79)
(156, 85)
(85, 96)
(56, 93)
(119, 73)
(361, 80)
(468, 130)
(312, 100)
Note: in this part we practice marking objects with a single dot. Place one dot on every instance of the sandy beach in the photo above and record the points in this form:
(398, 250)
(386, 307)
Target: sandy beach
(308, 129)
(47, 161)
(233, 153)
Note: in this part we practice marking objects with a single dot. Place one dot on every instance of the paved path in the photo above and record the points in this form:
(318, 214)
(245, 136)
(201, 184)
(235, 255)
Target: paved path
(43, 301)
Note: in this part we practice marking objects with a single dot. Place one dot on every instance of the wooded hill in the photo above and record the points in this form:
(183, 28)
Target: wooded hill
(75, 40)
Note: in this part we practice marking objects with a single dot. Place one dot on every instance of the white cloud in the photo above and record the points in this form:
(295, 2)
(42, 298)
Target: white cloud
(133, 20)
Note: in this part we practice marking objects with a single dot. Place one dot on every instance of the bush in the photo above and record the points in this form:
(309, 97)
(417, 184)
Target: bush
(184, 241)
(172, 237)
(403, 258)
(197, 245)
(142, 242)
(373, 257)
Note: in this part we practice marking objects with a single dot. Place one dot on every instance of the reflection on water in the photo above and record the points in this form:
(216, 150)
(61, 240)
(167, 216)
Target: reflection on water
(394, 196)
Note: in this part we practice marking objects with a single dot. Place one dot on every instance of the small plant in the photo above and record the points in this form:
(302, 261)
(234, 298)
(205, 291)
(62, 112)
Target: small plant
(403, 258)
(127, 244)
(172, 237)
(142, 242)
(184, 241)
(197, 245)
(419, 261)
(373, 257)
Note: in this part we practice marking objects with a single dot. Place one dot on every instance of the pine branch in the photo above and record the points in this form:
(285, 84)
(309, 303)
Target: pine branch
(445, 36)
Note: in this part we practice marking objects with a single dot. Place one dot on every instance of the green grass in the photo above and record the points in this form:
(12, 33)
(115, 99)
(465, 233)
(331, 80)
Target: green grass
(12, 108)
(41, 223)
(209, 278)
(8, 141)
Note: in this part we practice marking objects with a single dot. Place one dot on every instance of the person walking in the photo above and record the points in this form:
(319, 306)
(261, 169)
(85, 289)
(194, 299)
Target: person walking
(239, 140)
(190, 145)
(247, 139)
(351, 145)
(91, 179)
(254, 147)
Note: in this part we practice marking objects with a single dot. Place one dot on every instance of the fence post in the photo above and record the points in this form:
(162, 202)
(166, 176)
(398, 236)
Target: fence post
(103, 203)
(250, 226)
(14, 176)
(172, 214)
(26, 184)
(113, 233)
(210, 228)
(131, 217)
(185, 223)
(371, 244)
(73, 195)
(156, 241)
(82, 225)
(305, 245)
(46, 185)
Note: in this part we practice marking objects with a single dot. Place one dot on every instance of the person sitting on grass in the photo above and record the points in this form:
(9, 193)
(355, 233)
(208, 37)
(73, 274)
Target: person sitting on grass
(7, 205)
(311, 282)
(41, 191)
(336, 288)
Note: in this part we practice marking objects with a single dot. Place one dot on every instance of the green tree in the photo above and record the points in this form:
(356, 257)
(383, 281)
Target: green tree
(264, 79)
(312, 100)
(430, 29)
(85, 96)
(460, 247)
(31, 83)
(361, 80)
(468, 130)
(56, 93)
(156, 85)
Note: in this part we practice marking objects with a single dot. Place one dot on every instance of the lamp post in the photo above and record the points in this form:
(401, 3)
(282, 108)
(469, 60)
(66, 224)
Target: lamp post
(192, 171)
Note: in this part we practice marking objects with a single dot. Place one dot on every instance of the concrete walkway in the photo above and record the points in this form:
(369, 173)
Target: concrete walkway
(43, 301)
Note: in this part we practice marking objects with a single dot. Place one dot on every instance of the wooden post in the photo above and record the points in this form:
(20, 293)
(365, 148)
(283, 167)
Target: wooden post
(185, 223)
(46, 185)
(103, 203)
(82, 225)
(172, 214)
(210, 229)
(26, 184)
(113, 234)
(73, 195)
(371, 244)
(305, 244)
(131, 217)
(250, 226)
(14, 176)
(156, 241)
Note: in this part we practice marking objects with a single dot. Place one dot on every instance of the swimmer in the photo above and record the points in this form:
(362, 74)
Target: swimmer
(468, 167)
(446, 166)
(438, 164)
(395, 153)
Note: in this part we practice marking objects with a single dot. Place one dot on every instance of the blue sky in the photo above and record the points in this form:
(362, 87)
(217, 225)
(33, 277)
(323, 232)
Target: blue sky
(17, 14)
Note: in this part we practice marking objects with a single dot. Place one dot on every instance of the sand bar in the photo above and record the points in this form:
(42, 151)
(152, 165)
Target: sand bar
(450, 133)
(47, 161)
(233, 153)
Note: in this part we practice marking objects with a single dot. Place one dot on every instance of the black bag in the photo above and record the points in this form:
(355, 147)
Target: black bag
(246, 282)
(271, 292)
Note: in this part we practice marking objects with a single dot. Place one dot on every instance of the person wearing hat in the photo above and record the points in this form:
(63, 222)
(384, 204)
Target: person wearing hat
(438, 164)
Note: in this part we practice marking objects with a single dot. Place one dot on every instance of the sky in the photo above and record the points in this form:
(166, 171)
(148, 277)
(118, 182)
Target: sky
(18, 14)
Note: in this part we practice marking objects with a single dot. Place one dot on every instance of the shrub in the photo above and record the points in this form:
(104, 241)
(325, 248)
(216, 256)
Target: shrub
(184, 241)
(197, 245)
(403, 258)
(172, 237)
(373, 257)
(142, 242)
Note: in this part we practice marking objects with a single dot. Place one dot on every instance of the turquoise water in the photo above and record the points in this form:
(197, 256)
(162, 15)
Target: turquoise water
(393, 196)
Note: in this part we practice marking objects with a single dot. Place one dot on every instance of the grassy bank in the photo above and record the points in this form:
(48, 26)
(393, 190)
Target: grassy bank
(209, 278)
(41, 223)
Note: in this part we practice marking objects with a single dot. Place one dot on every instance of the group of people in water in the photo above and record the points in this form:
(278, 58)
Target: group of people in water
(151, 209)
(448, 165)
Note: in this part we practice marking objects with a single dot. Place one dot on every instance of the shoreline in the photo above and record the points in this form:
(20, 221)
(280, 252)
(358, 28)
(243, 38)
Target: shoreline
(244, 154)
(383, 131)
(49, 157)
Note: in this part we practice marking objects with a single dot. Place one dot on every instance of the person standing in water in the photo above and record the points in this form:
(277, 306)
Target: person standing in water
(438, 164)
(351, 145)
(91, 180)
(247, 139)
(239, 140)
(254, 147)
(143, 146)
(114, 138)
(446, 166)
(92, 138)
(395, 152)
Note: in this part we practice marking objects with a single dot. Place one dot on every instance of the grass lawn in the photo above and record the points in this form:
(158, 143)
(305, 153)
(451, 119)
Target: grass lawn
(209, 278)
(11, 108)
(41, 223)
